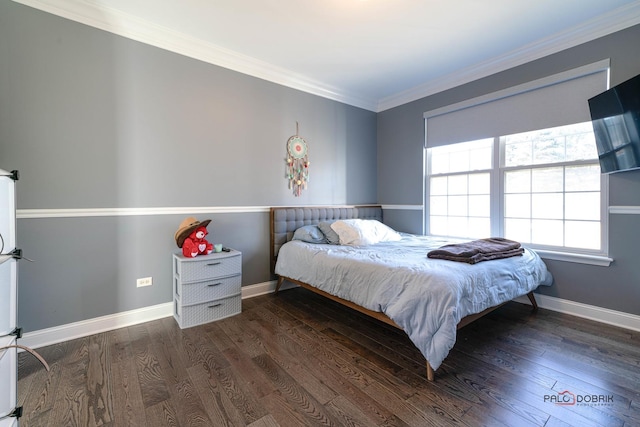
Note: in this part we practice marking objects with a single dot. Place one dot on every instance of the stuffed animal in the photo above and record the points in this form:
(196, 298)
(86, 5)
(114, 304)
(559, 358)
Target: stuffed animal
(191, 237)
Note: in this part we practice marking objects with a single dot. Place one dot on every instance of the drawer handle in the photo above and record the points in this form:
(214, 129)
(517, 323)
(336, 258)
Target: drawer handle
(215, 284)
(214, 263)
(215, 305)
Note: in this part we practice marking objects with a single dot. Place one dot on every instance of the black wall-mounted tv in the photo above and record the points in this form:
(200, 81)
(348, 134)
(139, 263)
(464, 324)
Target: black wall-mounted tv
(615, 115)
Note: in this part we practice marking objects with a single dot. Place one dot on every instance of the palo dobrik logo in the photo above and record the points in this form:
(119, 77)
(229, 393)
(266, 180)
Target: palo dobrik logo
(562, 398)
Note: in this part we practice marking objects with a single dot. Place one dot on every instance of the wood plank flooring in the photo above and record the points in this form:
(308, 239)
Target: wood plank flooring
(298, 359)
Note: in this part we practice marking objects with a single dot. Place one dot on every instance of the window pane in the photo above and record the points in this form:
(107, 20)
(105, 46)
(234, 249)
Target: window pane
(582, 178)
(583, 234)
(459, 162)
(439, 162)
(438, 185)
(517, 181)
(479, 183)
(438, 225)
(480, 206)
(479, 228)
(457, 184)
(518, 230)
(554, 145)
(517, 206)
(458, 226)
(438, 205)
(518, 152)
(547, 232)
(547, 180)
(582, 144)
(462, 157)
(547, 206)
(582, 206)
(457, 205)
(481, 157)
(548, 151)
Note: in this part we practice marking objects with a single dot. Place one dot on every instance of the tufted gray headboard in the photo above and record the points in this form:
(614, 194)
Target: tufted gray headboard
(285, 220)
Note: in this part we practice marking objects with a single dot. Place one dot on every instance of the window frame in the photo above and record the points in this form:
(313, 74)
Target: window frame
(497, 213)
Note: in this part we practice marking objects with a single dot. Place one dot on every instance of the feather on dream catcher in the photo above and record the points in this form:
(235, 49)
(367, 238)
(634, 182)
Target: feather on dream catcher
(297, 170)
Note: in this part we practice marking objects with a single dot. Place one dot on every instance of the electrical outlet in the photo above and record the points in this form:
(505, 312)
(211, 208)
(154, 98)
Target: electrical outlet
(145, 281)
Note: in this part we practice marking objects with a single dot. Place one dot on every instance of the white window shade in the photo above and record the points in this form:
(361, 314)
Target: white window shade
(556, 100)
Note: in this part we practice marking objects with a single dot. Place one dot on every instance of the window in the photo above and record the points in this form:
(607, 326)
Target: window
(552, 187)
(535, 179)
(542, 188)
(459, 189)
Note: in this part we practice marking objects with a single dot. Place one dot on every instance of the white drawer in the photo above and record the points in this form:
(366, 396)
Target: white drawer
(209, 266)
(197, 314)
(195, 292)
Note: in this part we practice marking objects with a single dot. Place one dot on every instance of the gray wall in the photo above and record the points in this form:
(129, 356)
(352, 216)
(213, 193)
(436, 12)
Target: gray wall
(94, 120)
(400, 141)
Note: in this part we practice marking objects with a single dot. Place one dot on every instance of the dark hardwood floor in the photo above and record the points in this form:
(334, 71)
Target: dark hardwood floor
(298, 359)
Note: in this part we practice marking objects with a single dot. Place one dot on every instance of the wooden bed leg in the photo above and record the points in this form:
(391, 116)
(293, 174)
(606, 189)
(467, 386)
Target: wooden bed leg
(429, 372)
(280, 281)
(532, 298)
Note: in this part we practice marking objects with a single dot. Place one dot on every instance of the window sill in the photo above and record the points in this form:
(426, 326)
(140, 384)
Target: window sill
(598, 260)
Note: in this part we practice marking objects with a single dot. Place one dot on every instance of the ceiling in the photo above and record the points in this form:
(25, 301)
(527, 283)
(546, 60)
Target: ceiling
(374, 54)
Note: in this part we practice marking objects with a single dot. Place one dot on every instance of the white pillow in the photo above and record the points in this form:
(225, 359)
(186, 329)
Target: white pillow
(360, 232)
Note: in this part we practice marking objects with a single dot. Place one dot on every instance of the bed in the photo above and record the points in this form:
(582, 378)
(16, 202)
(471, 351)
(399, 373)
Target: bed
(394, 281)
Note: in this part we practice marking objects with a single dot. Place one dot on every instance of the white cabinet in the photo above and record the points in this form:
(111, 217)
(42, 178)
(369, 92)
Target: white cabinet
(8, 301)
(207, 287)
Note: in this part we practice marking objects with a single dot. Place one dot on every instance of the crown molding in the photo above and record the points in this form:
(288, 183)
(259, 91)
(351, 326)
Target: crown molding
(131, 27)
(619, 19)
(122, 24)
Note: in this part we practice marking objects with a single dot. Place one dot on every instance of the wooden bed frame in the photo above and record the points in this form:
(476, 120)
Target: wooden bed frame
(300, 215)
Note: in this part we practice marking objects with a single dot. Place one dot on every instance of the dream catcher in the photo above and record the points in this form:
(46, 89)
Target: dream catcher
(297, 171)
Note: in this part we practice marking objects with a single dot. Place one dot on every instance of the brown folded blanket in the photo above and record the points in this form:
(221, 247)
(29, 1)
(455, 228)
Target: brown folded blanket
(478, 250)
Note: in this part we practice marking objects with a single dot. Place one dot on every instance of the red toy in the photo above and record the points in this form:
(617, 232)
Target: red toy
(191, 238)
(196, 244)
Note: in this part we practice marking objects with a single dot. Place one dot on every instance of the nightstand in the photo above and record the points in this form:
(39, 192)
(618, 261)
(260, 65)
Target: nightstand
(207, 287)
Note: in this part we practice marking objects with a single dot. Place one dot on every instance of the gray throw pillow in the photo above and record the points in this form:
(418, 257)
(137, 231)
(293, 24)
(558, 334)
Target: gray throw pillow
(310, 234)
(331, 235)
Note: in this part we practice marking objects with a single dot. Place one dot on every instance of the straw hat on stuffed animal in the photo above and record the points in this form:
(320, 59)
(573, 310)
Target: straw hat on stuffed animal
(186, 227)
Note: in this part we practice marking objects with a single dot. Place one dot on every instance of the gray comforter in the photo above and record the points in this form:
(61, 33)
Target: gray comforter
(425, 297)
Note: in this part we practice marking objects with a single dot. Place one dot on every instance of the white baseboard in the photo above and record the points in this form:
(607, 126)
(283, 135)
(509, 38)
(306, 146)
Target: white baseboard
(591, 312)
(264, 288)
(96, 325)
(70, 331)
